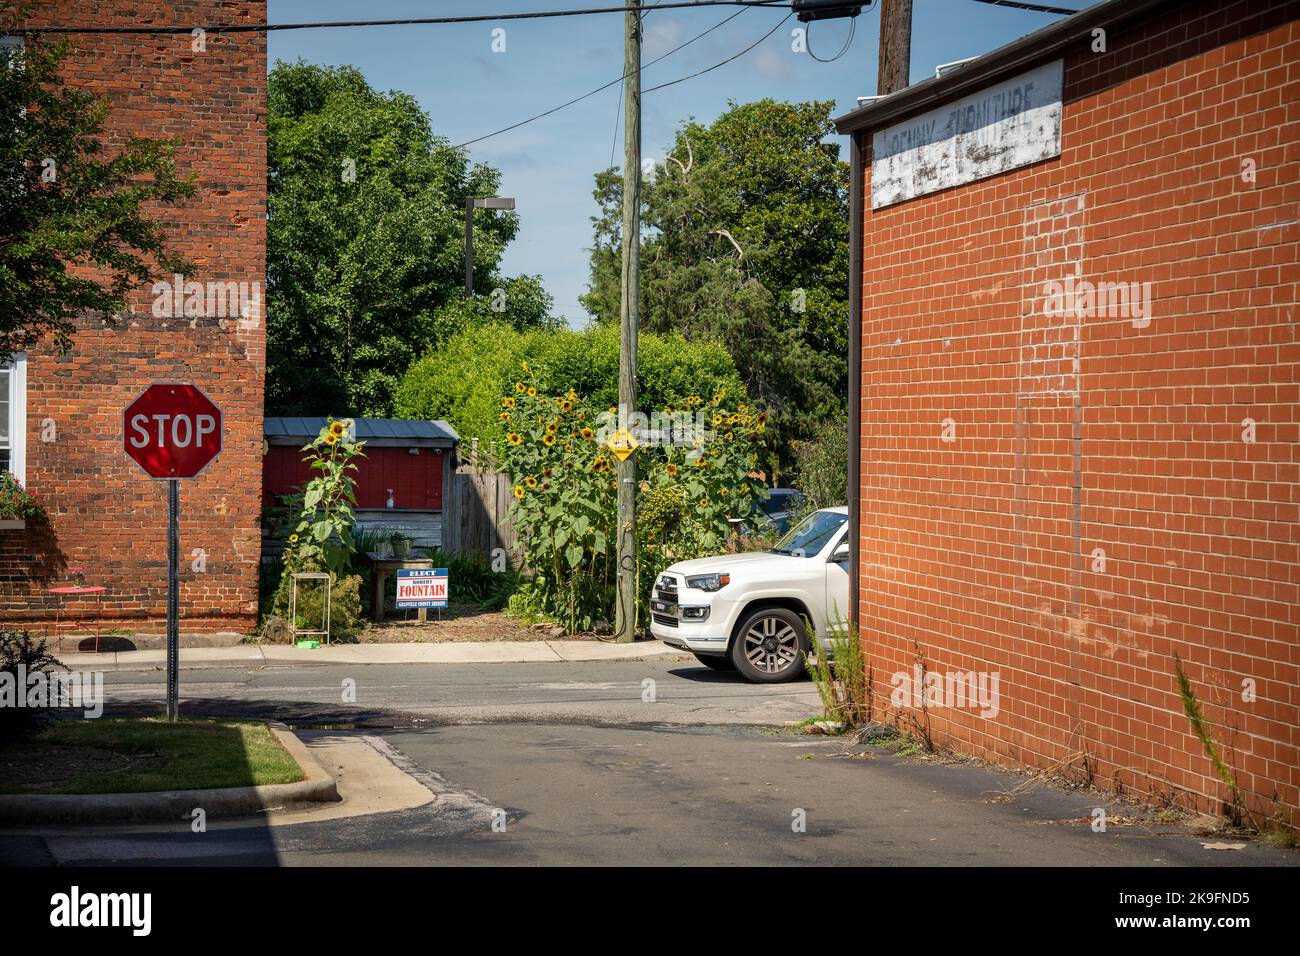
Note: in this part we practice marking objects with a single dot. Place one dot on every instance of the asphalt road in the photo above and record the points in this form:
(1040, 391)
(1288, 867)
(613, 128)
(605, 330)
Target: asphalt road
(572, 766)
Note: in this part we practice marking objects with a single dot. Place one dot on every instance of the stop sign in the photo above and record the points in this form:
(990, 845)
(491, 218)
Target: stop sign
(172, 431)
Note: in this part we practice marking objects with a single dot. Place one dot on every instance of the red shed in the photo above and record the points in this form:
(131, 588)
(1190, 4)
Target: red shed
(400, 480)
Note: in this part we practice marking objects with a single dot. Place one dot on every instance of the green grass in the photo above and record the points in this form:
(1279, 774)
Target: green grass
(147, 754)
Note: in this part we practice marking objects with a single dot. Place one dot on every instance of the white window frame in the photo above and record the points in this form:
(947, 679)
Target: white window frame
(17, 367)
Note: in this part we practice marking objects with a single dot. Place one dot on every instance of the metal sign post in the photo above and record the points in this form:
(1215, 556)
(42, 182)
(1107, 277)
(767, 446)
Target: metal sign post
(173, 597)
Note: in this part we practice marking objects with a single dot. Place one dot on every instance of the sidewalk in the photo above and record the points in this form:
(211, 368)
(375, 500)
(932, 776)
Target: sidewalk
(452, 652)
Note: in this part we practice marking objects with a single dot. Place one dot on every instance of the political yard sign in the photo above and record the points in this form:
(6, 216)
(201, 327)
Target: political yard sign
(421, 587)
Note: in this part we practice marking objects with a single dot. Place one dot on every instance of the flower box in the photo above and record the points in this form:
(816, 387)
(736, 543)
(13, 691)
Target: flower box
(13, 524)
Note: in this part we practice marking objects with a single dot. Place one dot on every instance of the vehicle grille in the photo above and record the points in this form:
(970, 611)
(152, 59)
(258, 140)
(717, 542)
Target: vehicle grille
(665, 599)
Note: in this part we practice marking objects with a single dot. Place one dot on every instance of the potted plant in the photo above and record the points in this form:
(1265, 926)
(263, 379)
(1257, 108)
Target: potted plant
(401, 545)
(16, 504)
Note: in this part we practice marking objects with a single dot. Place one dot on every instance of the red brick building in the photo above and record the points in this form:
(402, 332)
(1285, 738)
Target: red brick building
(1077, 351)
(64, 411)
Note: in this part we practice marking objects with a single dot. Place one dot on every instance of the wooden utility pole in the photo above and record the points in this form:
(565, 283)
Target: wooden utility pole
(625, 615)
(895, 45)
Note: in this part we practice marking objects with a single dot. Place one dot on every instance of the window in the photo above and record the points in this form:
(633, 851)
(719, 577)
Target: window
(13, 417)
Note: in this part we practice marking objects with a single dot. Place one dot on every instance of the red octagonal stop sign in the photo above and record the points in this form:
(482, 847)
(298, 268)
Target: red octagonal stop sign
(172, 431)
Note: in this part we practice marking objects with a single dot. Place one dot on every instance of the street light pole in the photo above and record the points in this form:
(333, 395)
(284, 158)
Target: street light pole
(491, 202)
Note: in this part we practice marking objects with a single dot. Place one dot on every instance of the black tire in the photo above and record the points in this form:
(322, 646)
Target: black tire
(717, 662)
(770, 646)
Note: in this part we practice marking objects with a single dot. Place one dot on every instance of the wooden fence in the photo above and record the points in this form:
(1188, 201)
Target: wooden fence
(476, 511)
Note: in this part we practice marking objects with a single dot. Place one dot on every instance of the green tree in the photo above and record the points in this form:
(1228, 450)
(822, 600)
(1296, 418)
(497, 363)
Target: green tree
(746, 242)
(73, 236)
(365, 240)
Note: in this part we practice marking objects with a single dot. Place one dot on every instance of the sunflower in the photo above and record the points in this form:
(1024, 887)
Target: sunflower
(566, 404)
(519, 387)
(532, 392)
(293, 539)
(331, 439)
(727, 436)
(508, 402)
(741, 407)
(550, 428)
(504, 416)
(725, 492)
(587, 433)
(519, 491)
(337, 428)
(598, 463)
(701, 462)
(513, 438)
(530, 481)
(548, 440)
(672, 469)
(524, 366)
(717, 419)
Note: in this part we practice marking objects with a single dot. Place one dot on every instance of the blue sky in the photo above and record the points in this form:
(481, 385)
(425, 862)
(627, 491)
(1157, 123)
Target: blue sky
(468, 90)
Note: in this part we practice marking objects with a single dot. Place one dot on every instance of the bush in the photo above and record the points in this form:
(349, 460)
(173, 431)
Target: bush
(823, 463)
(462, 381)
(18, 649)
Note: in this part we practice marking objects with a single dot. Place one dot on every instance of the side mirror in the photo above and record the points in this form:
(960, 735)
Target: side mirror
(841, 552)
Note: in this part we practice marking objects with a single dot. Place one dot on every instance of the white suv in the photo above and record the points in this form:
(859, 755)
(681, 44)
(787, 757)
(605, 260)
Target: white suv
(747, 611)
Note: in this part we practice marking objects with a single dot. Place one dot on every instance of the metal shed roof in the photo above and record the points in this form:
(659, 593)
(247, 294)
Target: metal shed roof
(379, 431)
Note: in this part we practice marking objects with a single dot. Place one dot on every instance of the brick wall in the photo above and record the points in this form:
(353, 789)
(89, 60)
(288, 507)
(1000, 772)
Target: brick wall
(1098, 511)
(104, 515)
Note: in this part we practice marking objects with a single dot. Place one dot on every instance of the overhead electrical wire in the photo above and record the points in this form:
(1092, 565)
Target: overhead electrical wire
(600, 89)
(736, 56)
(853, 29)
(1035, 7)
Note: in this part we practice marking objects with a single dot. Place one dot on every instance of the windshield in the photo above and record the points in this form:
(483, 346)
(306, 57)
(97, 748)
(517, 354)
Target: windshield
(809, 536)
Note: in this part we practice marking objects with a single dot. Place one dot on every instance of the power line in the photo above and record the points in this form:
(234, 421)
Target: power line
(1035, 7)
(406, 21)
(724, 62)
(853, 29)
(599, 89)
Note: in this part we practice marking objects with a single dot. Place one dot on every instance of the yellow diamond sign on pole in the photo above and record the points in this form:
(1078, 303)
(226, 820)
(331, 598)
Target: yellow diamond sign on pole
(622, 444)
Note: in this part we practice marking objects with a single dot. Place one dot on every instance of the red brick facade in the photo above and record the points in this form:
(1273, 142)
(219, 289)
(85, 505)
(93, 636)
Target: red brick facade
(1100, 506)
(104, 515)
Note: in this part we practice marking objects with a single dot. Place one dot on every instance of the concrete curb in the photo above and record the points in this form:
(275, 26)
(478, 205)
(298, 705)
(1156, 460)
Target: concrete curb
(177, 805)
(451, 652)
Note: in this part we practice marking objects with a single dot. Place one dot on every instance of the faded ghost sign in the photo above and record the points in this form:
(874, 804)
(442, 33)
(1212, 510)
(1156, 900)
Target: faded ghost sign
(1013, 124)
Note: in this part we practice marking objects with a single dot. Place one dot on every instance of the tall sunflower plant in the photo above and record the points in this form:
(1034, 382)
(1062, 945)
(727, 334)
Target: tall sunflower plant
(322, 538)
(565, 485)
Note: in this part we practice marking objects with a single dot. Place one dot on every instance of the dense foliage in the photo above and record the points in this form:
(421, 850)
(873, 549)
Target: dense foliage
(463, 380)
(746, 242)
(565, 509)
(74, 237)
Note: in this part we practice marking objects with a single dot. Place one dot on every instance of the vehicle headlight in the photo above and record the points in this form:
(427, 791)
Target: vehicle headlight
(709, 582)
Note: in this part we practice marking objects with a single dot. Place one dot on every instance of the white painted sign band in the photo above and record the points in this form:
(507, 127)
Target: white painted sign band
(1012, 124)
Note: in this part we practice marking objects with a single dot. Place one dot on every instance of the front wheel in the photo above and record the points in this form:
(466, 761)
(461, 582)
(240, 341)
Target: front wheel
(770, 646)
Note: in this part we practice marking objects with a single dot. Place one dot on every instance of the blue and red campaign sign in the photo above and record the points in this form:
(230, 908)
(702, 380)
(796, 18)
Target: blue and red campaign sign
(421, 587)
